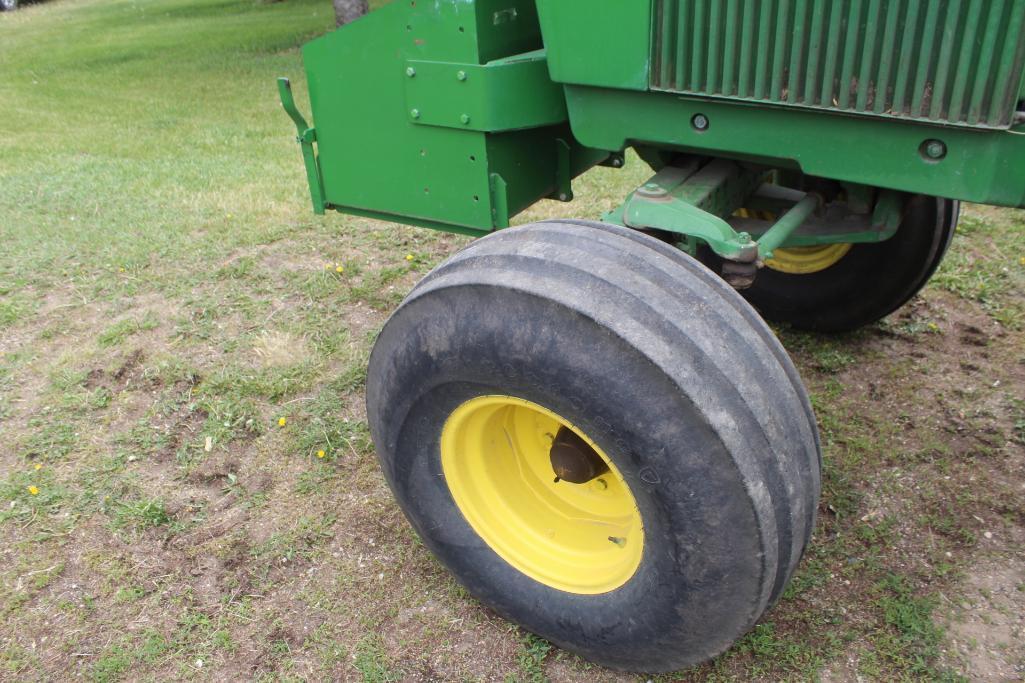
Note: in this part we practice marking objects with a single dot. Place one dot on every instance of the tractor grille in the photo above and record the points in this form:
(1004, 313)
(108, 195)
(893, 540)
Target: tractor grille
(953, 62)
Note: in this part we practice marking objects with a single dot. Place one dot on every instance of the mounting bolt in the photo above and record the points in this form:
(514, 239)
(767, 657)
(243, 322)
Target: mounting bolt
(935, 149)
(744, 237)
(652, 191)
(460, 75)
(410, 71)
(415, 113)
(617, 162)
(563, 197)
(700, 122)
(465, 118)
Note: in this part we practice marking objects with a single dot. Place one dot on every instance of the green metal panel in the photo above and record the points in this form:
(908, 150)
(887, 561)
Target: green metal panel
(508, 94)
(376, 159)
(954, 62)
(606, 43)
(982, 166)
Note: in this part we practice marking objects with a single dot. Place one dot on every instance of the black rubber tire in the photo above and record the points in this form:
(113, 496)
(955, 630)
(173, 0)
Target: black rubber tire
(670, 372)
(869, 282)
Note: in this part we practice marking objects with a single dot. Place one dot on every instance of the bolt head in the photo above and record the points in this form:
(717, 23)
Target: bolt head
(410, 71)
(935, 149)
(465, 118)
(415, 113)
(700, 122)
(460, 75)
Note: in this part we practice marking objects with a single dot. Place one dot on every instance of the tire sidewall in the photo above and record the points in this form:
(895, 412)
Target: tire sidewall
(697, 587)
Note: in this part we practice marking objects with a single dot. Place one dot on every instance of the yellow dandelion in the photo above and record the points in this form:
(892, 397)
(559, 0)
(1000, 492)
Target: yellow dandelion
(282, 421)
(339, 269)
(1022, 260)
(121, 269)
(409, 257)
(934, 327)
(34, 490)
(39, 466)
(321, 454)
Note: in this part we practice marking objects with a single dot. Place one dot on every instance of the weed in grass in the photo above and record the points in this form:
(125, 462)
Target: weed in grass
(53, 439)
(321, 424)
(140, 514)
(29, 493)
(111, 664)
(534, 650)
(778, 652)
(13, 311)
(129, 593)
(15, 659)
(832, 360)
(913, 643)
(296, 543)
(373, 663)
(118, 332)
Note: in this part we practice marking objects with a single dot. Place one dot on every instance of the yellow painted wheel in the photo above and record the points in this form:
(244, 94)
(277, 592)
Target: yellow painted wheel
(582, 538)
(806, 260)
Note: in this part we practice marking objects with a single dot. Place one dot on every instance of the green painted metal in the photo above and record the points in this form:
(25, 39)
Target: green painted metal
(883, 58)
(458, 114)
(305, 136)
(378, 159)
(983, 166)
(699, 201)
(606, 44)
(506, 94)
(789, 222)
(690, 200)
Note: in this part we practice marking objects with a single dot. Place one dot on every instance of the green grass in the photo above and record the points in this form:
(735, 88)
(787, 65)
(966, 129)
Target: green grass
(166, 298)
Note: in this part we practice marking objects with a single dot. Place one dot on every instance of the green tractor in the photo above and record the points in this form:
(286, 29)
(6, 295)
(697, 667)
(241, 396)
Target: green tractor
(588, 422)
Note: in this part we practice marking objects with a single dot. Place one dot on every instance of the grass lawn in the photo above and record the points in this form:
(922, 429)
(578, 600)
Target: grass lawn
(187, 485)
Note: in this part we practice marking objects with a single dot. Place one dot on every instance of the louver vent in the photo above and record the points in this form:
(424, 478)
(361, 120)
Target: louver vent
(945, 61)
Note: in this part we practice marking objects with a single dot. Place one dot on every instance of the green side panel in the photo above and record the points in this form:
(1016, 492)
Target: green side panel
(377, 160)
(535, 175)
(606, 43)
(955, 62)
(984, 166)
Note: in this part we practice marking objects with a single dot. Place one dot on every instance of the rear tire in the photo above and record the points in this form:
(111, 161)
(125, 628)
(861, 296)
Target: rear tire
(666, 372)
(868, 282)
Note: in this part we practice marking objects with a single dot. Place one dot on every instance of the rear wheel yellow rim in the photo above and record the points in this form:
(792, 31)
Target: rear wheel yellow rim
(580, 538)
(807, 260)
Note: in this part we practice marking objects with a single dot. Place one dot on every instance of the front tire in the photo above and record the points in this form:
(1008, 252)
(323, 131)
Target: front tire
(711, 458)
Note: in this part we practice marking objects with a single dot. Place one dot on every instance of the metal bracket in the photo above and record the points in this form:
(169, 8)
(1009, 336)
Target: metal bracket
(849, 220)
(305, 136)
(513, 93)
(563, 172)
(690, 199)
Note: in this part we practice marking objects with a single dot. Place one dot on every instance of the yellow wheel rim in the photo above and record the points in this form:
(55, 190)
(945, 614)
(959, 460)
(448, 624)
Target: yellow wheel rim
(806, 260)
(580, 538)
(799, 260)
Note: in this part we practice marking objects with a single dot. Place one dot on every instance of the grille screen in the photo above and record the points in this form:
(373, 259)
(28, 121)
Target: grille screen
(944, 61)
